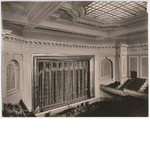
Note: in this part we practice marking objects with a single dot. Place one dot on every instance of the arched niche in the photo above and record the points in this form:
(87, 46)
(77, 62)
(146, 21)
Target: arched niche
(106, 69)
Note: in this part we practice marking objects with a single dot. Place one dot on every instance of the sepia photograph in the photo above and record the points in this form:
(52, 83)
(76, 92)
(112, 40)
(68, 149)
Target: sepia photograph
(74, 58)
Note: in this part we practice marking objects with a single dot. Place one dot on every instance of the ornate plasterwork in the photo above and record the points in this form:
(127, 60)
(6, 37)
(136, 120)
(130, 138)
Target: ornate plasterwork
(132, 49)
(31, 14)
(27, 45)
(64, 14)
(35, 43)
(41, 12)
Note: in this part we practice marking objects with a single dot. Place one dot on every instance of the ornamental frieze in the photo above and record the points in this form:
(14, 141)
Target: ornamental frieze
(35, 44)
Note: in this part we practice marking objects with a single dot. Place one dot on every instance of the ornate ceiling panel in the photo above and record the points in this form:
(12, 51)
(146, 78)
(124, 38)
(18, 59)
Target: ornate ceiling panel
(92, 19)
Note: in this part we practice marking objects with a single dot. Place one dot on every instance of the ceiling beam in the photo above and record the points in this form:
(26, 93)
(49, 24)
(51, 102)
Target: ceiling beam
(41, 12)
(73, 29)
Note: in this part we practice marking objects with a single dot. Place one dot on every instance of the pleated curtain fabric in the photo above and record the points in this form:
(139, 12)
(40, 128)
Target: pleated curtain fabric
(61, 82)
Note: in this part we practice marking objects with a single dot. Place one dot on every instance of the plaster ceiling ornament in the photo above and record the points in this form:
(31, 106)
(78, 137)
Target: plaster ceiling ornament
(64, 15)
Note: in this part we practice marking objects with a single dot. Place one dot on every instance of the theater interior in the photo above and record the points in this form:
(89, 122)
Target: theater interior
(74, 59)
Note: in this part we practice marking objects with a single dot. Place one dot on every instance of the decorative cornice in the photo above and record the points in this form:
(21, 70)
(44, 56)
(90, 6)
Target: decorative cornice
(121, 45)
(132, 45)
(27, 42)
(138, 45)
(14, 38)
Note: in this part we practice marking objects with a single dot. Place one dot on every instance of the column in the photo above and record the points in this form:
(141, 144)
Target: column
(117, 68)
(50, 85)
(62, 77)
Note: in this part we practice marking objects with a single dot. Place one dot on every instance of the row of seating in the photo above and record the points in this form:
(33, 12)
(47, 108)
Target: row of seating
(124, 84)
(135, 84)
(114, 85)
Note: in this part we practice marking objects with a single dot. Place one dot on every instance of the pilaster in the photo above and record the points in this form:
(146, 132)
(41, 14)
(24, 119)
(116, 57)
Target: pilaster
(121, 62)
(27, 91)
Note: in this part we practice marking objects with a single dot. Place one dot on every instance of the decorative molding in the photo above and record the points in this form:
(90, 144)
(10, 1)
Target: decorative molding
(138, 45)
(28, 43)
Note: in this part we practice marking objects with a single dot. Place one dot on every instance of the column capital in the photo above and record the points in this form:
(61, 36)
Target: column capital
(117, 57)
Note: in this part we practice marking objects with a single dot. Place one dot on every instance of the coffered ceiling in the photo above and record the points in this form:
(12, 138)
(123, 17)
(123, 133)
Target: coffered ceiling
(88, 19)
